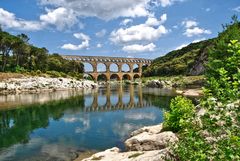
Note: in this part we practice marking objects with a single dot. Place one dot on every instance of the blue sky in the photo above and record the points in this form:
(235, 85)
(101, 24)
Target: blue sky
(126, 28)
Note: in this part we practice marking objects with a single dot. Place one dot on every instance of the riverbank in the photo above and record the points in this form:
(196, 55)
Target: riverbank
(148, 143)
(190, 86)
(30, 84)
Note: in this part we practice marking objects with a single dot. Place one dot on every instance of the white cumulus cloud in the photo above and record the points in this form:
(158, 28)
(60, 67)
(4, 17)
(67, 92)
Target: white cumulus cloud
(153, 21)
(196, 31)
(126, 21)
(192, 29)
(103, 9)
(237, 9)
(9, 20)
(139, 48)
(149, 31)
(81, 36)
(84, 45)
(60, 17)
(165, 3)
(189, 23)
(101, 33)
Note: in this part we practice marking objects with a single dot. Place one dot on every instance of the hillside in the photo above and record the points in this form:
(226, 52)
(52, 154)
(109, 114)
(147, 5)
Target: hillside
(190, 60)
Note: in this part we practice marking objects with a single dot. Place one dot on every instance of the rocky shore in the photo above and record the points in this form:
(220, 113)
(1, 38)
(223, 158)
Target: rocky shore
(148, 143)
(38, 84)
(193, 89)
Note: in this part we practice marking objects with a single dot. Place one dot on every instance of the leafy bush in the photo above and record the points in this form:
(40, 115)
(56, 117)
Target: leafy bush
(181, 109)
(224, 74)
(19, 69)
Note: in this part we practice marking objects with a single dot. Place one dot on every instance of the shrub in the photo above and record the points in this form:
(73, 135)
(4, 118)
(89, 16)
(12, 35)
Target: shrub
(181, 109)
(19, 69)
(224, 72)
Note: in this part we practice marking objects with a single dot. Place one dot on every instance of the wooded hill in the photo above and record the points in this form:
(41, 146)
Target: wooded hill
(190, 60)
(18, 55)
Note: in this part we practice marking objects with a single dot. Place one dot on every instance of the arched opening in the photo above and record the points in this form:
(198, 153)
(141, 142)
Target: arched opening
(136, 76)
(126, 77)
(144, 67)
(125, 68)
(88, 67)
(114, 77)
(113, 67)
(88, 77)
(102, 77)
(101, 67)
(88, 101)
(135, 68)
(102, 100)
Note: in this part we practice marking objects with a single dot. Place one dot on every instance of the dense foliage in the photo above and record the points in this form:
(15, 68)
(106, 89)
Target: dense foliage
(181, 109)
(17, 55)
(214, 133)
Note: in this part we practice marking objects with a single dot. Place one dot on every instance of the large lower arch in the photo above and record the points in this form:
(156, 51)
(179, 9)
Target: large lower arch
(88, 77)
(115, 77)
(126, 77)
(102, 77)
(136, 76)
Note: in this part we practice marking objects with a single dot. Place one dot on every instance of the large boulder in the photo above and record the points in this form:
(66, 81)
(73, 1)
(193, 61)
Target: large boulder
(146, 141)
(114, 154)
(154, 84)
(155, 129)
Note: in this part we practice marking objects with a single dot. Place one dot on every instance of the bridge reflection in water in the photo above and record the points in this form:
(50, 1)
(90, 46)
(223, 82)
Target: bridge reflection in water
(132, 98)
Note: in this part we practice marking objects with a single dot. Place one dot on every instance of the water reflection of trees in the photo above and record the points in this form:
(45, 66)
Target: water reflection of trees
(158, 101)
(16, 125)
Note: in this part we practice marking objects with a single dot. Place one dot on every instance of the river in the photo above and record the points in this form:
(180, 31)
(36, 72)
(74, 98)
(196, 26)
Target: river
(62, 124)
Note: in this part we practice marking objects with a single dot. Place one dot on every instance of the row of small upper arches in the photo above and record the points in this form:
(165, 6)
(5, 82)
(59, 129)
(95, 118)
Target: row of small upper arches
(111, 60)
(101, 67)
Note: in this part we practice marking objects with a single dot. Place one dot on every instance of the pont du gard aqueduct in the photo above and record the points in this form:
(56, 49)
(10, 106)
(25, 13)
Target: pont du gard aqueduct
(108, 61)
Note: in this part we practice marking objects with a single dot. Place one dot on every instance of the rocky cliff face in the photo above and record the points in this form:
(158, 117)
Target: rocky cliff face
(198, 67)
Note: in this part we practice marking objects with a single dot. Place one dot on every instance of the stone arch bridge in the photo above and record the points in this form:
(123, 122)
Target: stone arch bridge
(108, 61)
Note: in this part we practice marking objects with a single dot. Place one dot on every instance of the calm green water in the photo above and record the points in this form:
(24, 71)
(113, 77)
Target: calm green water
(57, 126)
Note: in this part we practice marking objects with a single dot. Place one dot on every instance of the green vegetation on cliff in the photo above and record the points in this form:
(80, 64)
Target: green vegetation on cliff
(191, 59)
(179, 62)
